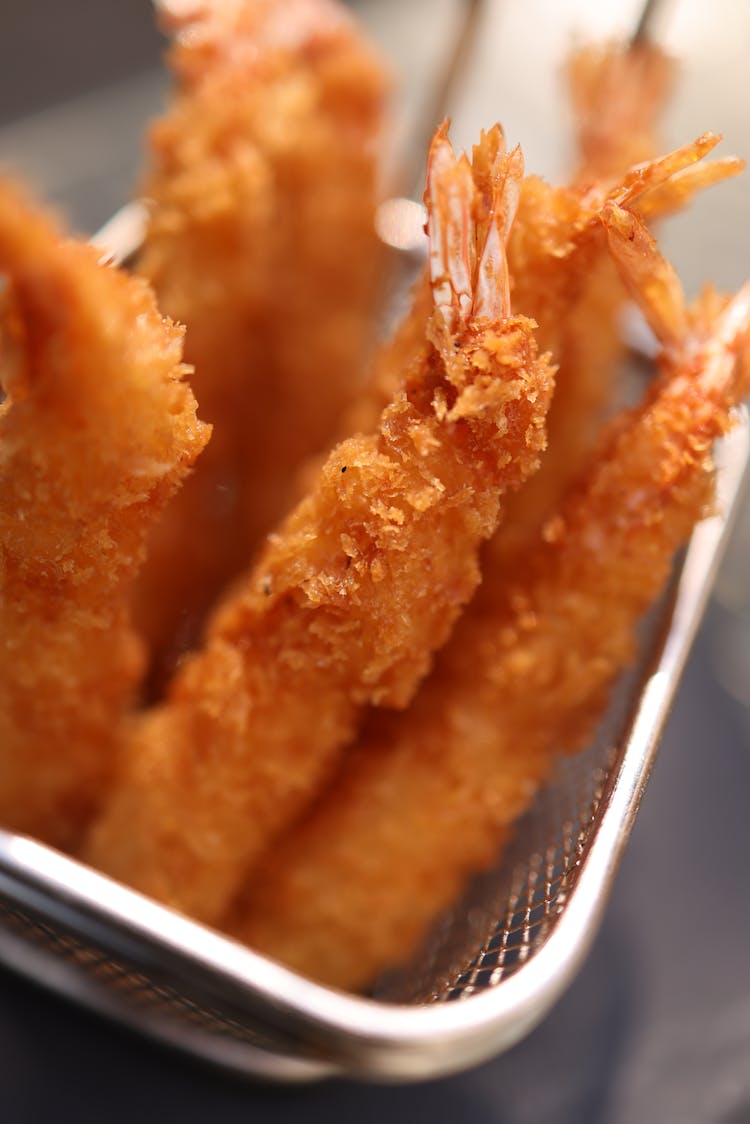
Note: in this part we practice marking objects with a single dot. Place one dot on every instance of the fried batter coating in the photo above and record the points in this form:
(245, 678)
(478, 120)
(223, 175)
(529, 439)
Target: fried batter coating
(561, 275)
(261, 240)
(565, 278)
(618, 92)
(358, 588)
(426, 799)
(98, 429)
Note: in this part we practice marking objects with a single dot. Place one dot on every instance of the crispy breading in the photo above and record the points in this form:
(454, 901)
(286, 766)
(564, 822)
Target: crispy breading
(427, 798)
(363, 582)
(561, 275)
(98, 429)
(261, 240)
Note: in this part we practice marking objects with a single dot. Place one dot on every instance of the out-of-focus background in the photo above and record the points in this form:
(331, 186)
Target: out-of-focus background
(657, 1027)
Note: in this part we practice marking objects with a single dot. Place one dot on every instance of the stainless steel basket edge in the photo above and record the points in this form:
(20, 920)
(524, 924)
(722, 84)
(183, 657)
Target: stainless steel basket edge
(311, 1031)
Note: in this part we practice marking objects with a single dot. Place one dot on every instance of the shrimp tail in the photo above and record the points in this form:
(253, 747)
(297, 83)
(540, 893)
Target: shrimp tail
(653, 284)
(471, 211)
(650, 279)
(644, 177)
(677, 192)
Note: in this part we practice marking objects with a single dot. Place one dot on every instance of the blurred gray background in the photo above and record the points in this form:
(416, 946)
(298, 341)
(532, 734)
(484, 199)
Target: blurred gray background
(657, 1027)
(52, 51)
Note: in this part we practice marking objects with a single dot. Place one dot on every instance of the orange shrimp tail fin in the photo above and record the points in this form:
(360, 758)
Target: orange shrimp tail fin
(714, 326)
(449, 197)
(649, 277)
(645, 177)
(471, 208)
(677, 192)
(492, 289)
(617, 92)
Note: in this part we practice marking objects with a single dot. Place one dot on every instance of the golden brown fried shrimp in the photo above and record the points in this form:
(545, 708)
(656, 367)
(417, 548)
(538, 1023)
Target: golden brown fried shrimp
(562, 276)
(97, 431)
(566, 281)
(561, 273)
(261, 240)
(426, 798)
(618, 91)
(363, 582)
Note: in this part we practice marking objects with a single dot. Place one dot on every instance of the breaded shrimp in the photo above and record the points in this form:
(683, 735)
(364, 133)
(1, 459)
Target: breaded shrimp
(98, 429)
(565, 279)
(358, 588)
(562, 276)
(261, 240)
(549, 280)
(426, 799)
(618, 92)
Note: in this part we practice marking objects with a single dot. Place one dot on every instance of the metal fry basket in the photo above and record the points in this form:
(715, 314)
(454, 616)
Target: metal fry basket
(489, 971)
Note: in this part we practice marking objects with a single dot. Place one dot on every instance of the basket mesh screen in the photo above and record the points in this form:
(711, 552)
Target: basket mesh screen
(135, 989)
(506, 914)
(496, 928)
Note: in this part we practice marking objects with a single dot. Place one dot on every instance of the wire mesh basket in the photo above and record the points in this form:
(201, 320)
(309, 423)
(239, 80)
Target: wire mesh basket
(490, 969)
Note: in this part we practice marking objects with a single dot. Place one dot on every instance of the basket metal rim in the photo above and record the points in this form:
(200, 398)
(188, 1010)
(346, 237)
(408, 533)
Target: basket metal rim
(327, 1031)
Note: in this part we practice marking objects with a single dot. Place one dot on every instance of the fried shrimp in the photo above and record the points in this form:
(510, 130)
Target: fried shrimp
(618, 91)
(558, 276)
(427, 798)
(565, 280)
(358, 588)
(97, 430)
(561, 275)
(261, 240)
